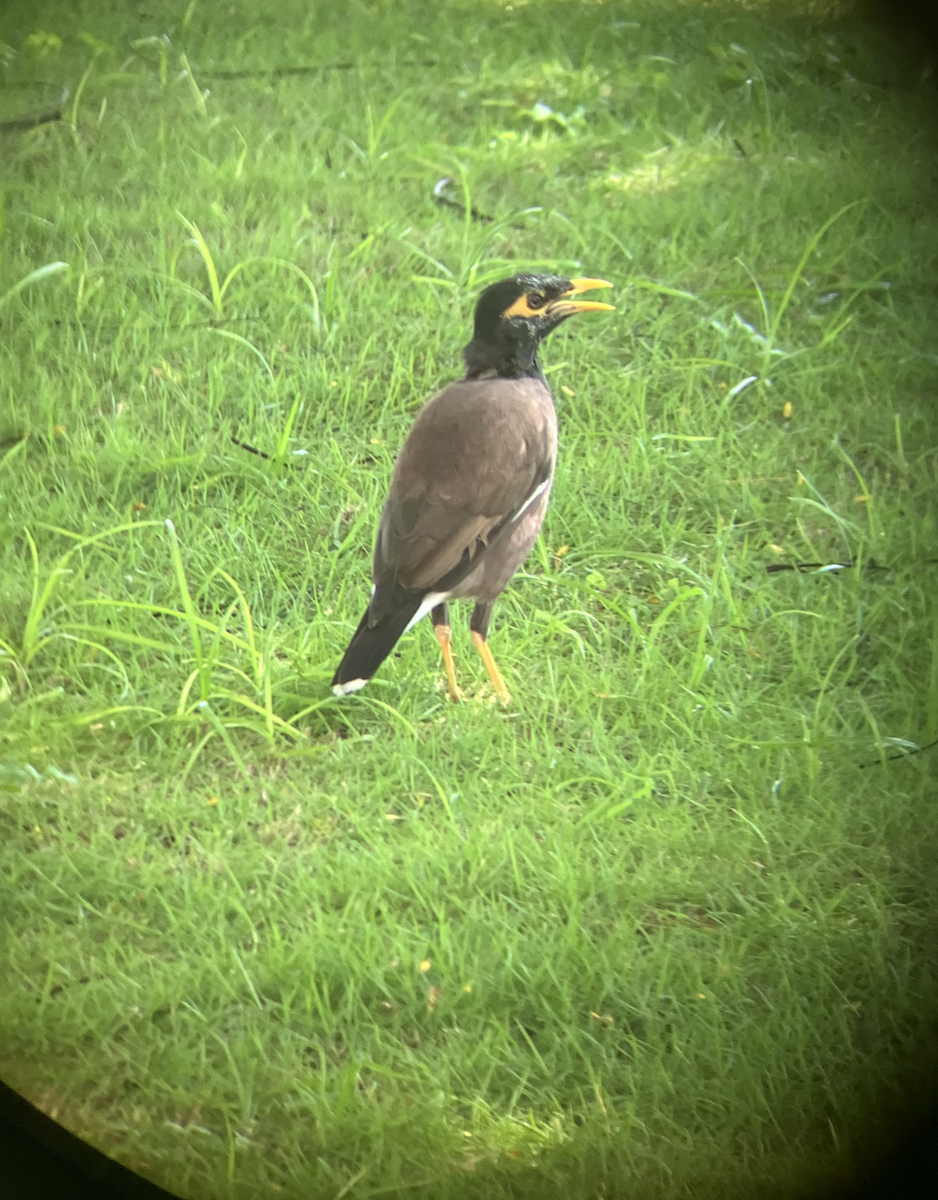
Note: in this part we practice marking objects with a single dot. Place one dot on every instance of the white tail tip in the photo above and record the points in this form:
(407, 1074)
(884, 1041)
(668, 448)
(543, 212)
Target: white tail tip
(346, 689)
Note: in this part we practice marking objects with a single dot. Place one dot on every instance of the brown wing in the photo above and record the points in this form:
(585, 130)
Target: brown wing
(475, 456)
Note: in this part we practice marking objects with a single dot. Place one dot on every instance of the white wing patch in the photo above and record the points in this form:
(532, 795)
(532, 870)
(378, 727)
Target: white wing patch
(538, 491)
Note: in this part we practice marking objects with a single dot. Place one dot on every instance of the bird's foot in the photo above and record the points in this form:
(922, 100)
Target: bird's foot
(444, 636)
(492, 667)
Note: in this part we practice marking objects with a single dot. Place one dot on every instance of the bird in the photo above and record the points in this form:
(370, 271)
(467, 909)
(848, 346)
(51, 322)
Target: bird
(471, 484)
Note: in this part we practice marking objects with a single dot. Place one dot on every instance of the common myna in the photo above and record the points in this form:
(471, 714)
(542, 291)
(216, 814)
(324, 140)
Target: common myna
(471, 485)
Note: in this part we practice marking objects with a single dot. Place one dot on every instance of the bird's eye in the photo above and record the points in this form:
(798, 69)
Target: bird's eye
(537, 299)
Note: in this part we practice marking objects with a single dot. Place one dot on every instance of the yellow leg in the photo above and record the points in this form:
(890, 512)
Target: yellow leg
(444, 637)
(494, 674)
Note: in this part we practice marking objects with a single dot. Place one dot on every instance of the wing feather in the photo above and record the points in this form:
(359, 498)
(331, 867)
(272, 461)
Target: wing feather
(474, 458)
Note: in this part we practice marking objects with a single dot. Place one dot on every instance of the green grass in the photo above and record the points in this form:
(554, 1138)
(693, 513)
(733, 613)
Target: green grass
(664, 927)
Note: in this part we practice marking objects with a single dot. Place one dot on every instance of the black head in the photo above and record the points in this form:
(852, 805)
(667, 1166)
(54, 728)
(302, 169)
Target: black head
(514, 315)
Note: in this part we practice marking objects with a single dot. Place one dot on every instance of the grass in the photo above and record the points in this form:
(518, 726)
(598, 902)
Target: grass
(665, 926)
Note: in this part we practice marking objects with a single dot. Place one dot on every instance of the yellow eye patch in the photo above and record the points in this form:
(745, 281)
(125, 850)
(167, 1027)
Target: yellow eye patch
(522, 307)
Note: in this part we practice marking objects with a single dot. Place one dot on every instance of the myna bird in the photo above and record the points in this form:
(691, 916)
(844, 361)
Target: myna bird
(472, 482)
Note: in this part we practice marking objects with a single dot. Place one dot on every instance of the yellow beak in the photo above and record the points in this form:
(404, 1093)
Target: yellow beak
(566, 307)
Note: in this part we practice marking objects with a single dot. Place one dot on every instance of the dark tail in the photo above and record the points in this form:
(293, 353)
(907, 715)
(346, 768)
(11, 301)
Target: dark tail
(371, 644)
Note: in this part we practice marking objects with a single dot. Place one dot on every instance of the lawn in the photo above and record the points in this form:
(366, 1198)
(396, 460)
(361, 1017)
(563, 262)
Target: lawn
(666, 925)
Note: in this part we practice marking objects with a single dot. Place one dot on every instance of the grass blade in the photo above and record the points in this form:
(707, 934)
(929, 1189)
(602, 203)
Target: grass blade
(189, 609)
